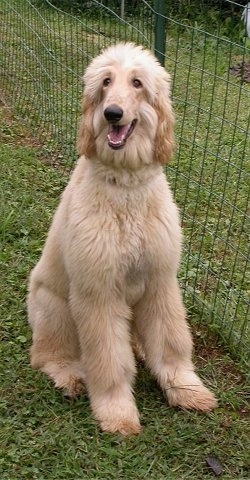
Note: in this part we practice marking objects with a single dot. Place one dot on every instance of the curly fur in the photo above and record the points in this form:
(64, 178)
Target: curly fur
(106, 280)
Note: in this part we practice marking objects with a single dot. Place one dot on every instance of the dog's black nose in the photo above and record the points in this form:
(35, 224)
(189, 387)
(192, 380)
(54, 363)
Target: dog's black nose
(113, 113)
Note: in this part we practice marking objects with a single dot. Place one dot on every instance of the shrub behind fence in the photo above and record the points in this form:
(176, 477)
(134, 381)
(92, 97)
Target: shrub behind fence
(45, 49)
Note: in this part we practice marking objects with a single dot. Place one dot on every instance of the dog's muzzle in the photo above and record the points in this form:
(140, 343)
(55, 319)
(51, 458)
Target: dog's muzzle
(117, 133)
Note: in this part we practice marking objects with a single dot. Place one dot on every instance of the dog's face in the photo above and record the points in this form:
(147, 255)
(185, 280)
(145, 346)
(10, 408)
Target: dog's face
(123, 105)
(127, 115)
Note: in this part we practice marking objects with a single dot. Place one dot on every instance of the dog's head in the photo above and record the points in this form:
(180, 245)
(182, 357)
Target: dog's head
(127, 115)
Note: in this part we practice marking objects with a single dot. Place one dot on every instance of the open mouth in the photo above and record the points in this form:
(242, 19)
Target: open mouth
(118, 134)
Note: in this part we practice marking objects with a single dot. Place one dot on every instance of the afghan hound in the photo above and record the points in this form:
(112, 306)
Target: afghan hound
(106, 283)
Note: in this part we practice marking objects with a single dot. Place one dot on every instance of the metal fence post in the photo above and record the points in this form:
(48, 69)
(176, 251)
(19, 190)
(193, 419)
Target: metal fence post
(122, 9)
(160, 30)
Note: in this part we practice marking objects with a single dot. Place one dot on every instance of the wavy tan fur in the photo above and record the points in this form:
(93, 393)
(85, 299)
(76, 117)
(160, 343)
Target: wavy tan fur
(106, 280)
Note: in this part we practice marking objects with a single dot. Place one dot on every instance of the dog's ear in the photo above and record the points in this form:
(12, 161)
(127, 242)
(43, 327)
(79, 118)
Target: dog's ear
(86, 140)
(164, 140)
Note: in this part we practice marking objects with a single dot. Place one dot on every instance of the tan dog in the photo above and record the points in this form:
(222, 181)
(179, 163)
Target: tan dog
(108, 270)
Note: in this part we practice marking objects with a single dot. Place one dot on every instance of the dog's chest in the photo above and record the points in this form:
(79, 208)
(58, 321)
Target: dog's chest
(133, 263)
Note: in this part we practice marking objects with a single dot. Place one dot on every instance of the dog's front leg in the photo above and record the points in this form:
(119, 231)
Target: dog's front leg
(104, 334)
(166, 338)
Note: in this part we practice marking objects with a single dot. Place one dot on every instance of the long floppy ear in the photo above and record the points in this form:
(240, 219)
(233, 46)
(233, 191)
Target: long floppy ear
(86, 139)
(164, 140)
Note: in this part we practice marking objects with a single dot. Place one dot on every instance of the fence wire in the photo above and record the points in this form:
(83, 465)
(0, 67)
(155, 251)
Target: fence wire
(45, 48)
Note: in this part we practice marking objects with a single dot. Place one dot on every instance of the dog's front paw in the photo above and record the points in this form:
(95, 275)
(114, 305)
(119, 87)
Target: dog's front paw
(116, 413)
(187, 391)
(125, 426)
(196, 397)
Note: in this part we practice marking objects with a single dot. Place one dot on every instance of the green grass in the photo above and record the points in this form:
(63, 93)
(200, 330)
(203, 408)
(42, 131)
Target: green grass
(44, 436)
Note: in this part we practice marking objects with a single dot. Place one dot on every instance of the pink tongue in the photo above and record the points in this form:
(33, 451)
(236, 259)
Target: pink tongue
(118, 132)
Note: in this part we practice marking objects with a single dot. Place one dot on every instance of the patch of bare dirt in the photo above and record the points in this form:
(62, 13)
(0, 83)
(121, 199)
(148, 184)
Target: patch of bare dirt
(241, 70)
(13, 130)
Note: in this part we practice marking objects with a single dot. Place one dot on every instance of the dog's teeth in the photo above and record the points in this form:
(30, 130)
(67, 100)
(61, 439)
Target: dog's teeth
(116, 143)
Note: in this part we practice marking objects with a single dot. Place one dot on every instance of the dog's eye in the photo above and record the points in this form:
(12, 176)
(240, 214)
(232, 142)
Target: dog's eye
(137, 83)
(106, 81)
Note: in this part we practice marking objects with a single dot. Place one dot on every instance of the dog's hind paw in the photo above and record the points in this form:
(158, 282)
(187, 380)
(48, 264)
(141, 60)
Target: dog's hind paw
(67, 377)
(74, 387)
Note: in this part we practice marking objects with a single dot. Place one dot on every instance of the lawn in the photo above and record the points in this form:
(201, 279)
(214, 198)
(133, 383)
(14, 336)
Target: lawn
(45, 436)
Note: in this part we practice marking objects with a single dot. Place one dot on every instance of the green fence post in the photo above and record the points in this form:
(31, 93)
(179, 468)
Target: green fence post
(160, 30)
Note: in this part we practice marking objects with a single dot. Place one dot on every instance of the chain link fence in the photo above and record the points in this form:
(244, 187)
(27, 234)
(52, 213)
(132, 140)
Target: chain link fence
(45, 48)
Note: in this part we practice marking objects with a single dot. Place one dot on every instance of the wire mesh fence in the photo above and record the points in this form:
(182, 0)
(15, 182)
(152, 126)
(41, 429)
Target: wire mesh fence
(45, 48)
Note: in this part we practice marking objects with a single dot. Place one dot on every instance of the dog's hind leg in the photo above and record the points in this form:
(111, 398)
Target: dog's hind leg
(104, 332)
(161, 324)
(55, 349)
